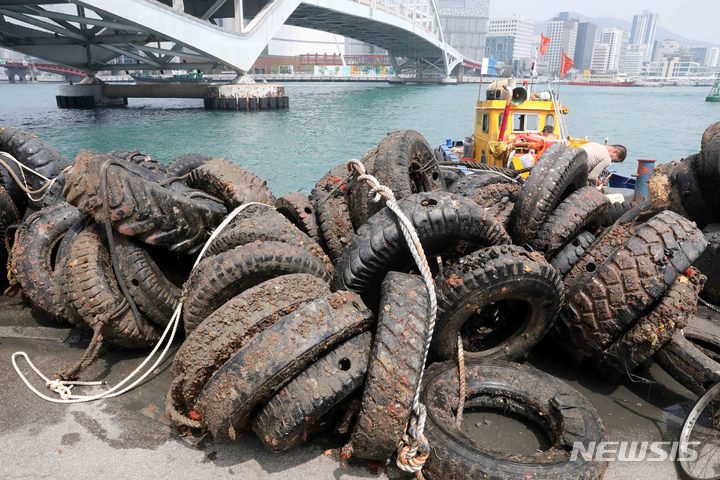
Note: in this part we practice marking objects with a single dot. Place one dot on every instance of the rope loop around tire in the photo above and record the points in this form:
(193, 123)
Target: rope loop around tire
(413, 447)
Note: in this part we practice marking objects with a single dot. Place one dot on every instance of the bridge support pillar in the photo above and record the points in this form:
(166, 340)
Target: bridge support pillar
(246, 96)
(86, 96)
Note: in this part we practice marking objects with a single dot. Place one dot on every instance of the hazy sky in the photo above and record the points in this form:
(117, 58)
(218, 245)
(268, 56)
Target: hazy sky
(696, 19)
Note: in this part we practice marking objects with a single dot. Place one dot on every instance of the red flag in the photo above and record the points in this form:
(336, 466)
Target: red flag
(566, 64)
(544, 44)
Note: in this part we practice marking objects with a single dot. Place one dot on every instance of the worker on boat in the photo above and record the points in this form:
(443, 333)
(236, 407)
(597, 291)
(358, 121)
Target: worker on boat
(548, 131)
(601, 156)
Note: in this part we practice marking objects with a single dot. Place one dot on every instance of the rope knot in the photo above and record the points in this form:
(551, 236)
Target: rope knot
(59, 387)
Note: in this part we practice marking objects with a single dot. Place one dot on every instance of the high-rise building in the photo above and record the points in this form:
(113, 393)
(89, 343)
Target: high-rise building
(563, 36)
(600, 57)
(699, 54)
(584, 45)
(617, 40)
(713, 57)
(464, 24)
(634, 59)
(666, 48)
(520, 29)
(643, 31)
(500, 47)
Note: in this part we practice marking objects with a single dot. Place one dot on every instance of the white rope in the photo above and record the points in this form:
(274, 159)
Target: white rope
(64, 387)
(416, 425)
(23, 184)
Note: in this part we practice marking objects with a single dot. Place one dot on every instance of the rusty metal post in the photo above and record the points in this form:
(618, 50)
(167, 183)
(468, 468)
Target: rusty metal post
(645, 168)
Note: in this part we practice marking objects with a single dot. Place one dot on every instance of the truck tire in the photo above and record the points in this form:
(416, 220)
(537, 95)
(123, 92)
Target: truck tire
(275, 356)
(652, 331)
(572, 216)
(469, 184)
(232, 326)
(358, 196)
(441, 219)
(299, 209)
(406, 164)
(230, 183)
(690, 192)
(32, 152)
(502, 300)
(329, 198)
(709, 264)
(175, 217)
(139, 158)
(264, 224)
(571, 254)
(630, 281)
(395, 367)
(62, 291)
(564, 414)
(186, 163)
(616, 210)
(691, 356)
(155, 289)
(218, 279)
(297, 410)
(707, 166)
(559, 172)
(96, 296)
(34, 259)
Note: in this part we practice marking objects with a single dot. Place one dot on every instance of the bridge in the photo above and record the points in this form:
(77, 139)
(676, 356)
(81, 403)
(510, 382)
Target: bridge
(91, 35)
(21, 70)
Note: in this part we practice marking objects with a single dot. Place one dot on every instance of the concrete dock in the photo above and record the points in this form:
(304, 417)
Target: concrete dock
(130, 437)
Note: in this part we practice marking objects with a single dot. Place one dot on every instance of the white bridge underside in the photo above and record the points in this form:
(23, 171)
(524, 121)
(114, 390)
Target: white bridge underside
(88, 34)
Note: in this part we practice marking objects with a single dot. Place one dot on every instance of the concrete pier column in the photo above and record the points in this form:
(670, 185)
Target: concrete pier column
(246, 96)
(86, 95)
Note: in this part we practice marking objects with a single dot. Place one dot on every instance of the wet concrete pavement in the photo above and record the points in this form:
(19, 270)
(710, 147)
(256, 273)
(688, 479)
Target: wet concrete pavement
(130, 437)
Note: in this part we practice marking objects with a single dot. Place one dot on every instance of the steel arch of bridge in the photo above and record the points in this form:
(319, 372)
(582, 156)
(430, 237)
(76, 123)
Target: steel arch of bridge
(175, 34)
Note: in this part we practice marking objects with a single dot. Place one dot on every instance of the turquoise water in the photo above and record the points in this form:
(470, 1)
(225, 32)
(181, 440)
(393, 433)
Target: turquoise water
(329, 123)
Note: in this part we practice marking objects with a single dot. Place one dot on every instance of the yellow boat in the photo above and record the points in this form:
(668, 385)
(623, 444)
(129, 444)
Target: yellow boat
(518, 141)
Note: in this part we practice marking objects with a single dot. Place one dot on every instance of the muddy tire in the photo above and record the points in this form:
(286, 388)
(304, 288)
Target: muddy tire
(559, 172)
(139, 158)
(502, 300)
(230, 183)
(689, 189)
(617, 292)
(33, 259)
(217, 279)
(563, 413)
(32, 152)
(395, 367)
(691, 356)
(652, 331)
(96, 296)
(707, 166)
(264, 224)
(469, 185)
(331, 207)
(709, 264)
(359, 201)
(174, 217)
(405, 163)
(274, 356)
(572, 216)
(186, 163)
(9, 217)
(441, 219)
(501, 212)
(614, 211)
(299, 209)
(155, 289)
(232, 326)
(450, 176)
(61, 266)
(571, 254)
(297, 410)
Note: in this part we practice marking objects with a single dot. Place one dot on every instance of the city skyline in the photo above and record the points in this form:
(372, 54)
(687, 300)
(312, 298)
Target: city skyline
(692, 19)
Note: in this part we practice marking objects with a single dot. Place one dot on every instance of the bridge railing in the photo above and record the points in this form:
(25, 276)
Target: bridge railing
(421, 13)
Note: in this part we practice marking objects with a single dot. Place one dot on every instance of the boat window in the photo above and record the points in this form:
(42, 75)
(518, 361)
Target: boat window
(549, 120)
(523, 122)
(485, 123)
(500, 119)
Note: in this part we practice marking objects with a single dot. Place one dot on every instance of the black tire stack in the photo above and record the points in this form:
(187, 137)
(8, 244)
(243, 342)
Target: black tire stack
(307, 313)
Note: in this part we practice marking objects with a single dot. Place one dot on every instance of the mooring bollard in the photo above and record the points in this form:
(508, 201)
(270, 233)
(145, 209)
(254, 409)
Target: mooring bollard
(645, 168)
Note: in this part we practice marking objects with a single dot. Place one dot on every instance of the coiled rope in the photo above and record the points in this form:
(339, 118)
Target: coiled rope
(413, 448)
(64, 387)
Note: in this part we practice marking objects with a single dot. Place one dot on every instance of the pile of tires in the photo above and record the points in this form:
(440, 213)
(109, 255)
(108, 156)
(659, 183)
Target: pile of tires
(307, 313)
